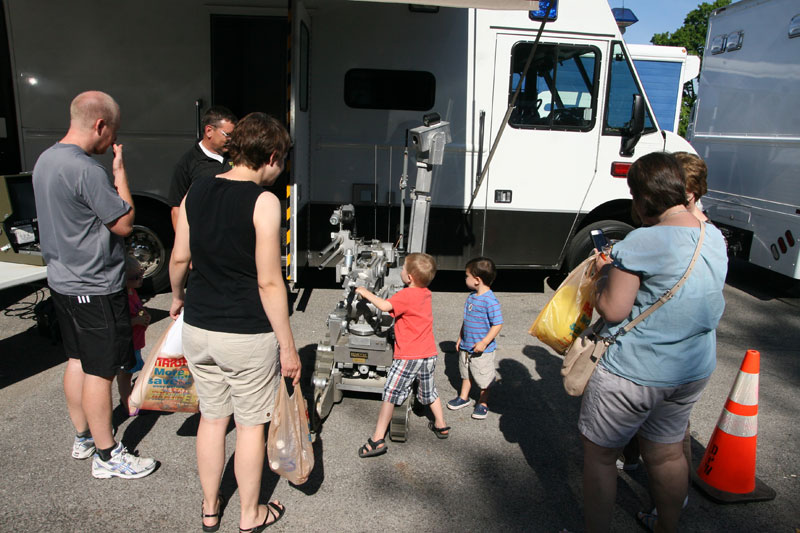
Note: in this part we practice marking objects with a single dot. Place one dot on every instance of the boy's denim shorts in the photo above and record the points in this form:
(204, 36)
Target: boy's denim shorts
(401, 377)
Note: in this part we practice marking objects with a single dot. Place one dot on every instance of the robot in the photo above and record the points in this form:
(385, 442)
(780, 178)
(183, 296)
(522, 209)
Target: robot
(356, 352)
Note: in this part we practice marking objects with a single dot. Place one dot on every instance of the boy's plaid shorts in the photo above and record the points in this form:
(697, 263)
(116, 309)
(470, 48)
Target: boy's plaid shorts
(401, 377)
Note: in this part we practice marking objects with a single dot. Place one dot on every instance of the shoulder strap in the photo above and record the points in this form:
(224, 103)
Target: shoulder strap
(670, 293)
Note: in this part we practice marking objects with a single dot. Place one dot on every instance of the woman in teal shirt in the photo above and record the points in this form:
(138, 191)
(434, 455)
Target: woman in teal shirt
(648, 381)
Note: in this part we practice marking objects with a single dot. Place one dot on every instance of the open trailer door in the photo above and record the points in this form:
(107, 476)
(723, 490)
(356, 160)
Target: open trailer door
(299, 185)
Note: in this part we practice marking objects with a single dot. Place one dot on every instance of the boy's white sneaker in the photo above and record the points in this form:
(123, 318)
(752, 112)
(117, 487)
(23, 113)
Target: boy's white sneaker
(122, 464)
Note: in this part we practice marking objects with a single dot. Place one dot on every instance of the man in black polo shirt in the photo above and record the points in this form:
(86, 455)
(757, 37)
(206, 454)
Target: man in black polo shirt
(207, 157)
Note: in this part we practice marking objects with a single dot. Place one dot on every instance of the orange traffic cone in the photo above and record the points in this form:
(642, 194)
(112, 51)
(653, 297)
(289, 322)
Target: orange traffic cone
(727, 473)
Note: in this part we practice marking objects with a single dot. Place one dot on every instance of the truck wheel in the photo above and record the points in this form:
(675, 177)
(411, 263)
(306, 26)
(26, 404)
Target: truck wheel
(581, 245)
(151, 245)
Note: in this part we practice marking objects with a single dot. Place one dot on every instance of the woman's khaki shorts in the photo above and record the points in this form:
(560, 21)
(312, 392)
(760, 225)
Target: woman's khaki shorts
(482, 367)
(234, 373)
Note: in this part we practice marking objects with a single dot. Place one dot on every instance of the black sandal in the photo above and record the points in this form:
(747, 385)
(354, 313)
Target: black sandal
(374, 449)
(218, 515)
(441, 433)
(274, 510)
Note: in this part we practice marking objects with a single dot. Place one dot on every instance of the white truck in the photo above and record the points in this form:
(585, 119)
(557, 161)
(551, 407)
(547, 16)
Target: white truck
(350, 78)
(747, 128)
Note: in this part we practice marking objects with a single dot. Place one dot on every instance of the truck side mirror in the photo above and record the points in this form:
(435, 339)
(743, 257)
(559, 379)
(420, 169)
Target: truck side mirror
(632, 134)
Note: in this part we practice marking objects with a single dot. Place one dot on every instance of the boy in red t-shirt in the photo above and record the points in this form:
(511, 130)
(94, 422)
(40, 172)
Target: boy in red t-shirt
(414, 349)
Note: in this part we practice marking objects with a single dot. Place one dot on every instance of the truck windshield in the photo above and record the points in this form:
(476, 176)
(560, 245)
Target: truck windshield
(622, 87)
(559, 91)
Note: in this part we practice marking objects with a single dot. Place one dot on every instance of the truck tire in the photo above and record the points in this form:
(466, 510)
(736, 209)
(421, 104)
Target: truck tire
(581, 245)
(151, 244)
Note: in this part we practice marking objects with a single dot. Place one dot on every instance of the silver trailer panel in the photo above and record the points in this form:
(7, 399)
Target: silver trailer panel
(746, 128)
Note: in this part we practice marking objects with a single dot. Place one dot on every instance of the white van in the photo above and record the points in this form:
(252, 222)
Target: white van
(350, 78)
(746, 127)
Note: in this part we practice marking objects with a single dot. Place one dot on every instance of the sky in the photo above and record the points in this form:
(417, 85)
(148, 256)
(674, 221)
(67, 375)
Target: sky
(655, 16)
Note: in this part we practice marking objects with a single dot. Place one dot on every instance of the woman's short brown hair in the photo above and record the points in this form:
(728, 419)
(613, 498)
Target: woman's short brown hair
(695, 171)
(421, 267)
(256, 138)
(656, 182)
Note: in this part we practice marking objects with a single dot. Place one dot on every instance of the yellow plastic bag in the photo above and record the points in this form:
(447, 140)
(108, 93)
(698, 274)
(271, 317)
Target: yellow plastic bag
(289, 438)
(165, 383)
(569, 311)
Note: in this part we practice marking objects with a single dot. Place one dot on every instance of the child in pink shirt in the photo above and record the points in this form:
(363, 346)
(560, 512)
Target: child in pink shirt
(140, 319)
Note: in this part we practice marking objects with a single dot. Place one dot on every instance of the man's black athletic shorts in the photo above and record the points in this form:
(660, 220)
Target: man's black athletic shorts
(97, 330)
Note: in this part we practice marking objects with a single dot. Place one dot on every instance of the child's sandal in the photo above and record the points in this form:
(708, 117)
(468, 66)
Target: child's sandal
(374, 448)
(441, 433)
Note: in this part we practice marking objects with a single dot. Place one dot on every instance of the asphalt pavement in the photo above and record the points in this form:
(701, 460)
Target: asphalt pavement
(517, 470)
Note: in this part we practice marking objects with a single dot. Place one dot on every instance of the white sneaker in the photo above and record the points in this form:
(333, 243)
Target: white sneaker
(122, 464)
(83, 447)
(628, 467)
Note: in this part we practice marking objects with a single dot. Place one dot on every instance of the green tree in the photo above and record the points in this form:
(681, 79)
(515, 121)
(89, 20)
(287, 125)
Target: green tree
(692, 36)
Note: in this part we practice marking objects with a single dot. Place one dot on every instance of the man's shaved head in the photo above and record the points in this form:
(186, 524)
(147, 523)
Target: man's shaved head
(89, 106)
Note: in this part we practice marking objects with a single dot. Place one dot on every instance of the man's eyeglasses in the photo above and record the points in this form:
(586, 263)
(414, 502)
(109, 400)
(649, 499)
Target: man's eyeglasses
(223, 132)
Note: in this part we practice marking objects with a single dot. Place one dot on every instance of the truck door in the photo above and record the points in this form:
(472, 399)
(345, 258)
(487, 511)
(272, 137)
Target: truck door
(546, 159)
(622, 86)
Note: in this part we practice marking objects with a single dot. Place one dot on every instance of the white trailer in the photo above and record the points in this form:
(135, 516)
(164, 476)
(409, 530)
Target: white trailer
(664, 70)
(352, 79)
(745, 125)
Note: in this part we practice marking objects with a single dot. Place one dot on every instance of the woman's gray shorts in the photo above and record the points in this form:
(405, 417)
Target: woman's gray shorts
(614, 409)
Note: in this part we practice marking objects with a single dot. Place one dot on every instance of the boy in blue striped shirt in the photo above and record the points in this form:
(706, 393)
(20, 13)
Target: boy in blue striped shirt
(483, 320)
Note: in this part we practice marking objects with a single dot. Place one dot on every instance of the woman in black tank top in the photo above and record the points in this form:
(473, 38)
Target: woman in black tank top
(229, 230)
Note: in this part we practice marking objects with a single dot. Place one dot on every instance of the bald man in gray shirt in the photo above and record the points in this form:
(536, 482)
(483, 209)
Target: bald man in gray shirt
(83, 219)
